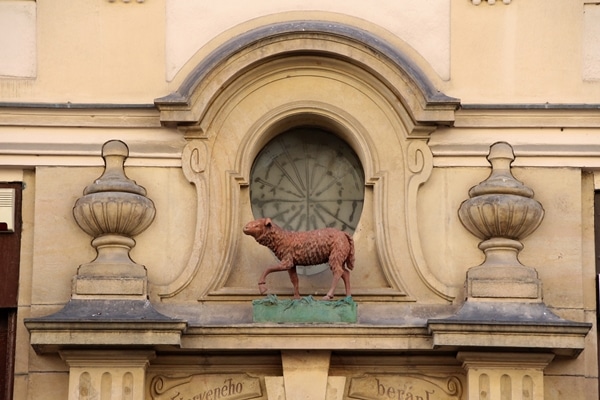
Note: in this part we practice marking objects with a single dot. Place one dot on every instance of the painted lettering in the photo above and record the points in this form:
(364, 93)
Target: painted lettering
(228, 389)
(397, 393)
(176, 397)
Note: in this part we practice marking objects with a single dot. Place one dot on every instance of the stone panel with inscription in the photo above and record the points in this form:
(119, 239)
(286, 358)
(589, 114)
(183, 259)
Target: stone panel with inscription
(405, 387)
(205, 387)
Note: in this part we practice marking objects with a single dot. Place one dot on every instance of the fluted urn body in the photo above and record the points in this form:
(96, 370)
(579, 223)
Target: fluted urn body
(113, 210)
(501, 211)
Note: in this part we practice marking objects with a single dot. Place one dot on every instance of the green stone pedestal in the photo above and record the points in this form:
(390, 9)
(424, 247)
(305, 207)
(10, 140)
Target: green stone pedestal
(305, 310)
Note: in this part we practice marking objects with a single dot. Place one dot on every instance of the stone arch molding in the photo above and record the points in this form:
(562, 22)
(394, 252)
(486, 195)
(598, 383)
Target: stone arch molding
(335, 76)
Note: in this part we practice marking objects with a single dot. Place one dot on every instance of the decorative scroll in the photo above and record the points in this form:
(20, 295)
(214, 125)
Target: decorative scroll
(419, 162)
(194, 159)
(205, 387)
(384, 244)
(405, 387)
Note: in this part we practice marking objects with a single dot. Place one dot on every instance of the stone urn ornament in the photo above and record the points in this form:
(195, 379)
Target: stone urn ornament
(113, 209)
(501, 211)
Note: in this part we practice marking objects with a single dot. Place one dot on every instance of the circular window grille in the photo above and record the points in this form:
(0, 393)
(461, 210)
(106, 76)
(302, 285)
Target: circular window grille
(308, 178)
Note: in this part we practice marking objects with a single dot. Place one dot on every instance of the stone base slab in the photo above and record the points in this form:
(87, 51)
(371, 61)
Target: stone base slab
(304, 310)
(95, 286)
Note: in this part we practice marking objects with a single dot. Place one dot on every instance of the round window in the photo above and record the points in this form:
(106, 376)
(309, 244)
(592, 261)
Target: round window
(307, 178)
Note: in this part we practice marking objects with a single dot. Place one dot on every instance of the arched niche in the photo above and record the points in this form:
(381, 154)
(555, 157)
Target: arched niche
(424, 103)
(333, 76)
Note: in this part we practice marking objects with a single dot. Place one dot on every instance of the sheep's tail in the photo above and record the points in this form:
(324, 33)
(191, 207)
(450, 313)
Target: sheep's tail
(349, 262)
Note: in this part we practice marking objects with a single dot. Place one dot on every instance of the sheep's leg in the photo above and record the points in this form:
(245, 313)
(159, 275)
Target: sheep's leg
(282, 266)
(337, 274)
(262, 287)
(346, 279)
(294, 278)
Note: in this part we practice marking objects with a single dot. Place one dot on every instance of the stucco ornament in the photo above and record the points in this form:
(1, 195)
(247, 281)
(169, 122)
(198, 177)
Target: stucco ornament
(304, 248)
(501, 211)
(113, 210)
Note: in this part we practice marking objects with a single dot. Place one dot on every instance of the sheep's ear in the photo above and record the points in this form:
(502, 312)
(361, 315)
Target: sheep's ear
(268, 222)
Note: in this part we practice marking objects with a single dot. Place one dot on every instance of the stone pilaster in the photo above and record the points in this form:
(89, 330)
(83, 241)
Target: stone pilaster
(116, 375)
(516, 376)
(305, 377)
(305, 374)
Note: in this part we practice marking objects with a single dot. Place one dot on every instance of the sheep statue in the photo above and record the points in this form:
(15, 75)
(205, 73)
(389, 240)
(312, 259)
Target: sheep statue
(304, 248)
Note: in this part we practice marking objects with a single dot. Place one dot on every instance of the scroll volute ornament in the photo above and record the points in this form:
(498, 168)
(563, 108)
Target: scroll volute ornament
(501, 211)
(113, 210)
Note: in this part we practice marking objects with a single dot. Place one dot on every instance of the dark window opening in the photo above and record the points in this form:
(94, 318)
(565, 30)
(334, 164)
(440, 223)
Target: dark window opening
(597, 254)
(10, 249)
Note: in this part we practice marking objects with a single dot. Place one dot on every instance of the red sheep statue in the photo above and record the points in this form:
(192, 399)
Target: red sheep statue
(304, 248)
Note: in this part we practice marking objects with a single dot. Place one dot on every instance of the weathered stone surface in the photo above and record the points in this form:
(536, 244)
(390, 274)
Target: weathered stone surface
(505, 325)
(104, 323)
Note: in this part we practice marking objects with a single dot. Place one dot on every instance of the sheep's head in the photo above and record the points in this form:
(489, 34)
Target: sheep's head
(258, 227)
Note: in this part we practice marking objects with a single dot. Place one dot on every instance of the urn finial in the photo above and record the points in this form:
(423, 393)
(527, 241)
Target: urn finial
(501, 211)
(113, 210)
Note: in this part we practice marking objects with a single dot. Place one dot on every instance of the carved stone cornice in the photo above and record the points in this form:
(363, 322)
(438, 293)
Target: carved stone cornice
(307, 337)
(79, 115)
(104, 324)
(528, 115)
(569, 138)
(507, 326)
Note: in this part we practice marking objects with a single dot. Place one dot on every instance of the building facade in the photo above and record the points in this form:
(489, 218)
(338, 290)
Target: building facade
(455, 141)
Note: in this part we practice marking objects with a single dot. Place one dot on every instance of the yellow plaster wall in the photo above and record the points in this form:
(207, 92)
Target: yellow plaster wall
(524, 52)
(96, 52)
(134, 52)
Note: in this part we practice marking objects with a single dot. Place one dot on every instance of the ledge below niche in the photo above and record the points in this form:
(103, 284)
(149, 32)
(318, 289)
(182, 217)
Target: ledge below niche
(104, 323)
(508, 326)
